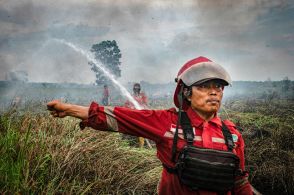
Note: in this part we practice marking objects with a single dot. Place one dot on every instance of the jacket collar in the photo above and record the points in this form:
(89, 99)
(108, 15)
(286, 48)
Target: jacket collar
(197, 121)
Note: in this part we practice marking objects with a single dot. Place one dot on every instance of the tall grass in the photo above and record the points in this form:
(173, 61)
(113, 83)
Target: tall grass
(43, 155)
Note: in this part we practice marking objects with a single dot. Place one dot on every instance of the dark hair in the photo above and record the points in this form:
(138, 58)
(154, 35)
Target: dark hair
(137, 84)
(187, 92)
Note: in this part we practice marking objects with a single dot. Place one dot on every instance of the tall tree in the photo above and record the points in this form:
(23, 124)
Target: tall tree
(108, 53)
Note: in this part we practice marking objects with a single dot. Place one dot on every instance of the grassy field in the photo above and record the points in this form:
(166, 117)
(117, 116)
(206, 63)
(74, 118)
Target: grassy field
(268, 131)
(43, 155)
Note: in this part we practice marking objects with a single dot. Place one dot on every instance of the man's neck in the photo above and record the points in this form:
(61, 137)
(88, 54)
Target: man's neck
(205, 116)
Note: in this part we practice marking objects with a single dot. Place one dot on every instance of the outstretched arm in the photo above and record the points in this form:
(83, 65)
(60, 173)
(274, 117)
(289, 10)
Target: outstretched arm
(59, 109)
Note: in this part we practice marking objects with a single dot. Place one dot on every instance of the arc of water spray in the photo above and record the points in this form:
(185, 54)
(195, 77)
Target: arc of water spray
(99, 65)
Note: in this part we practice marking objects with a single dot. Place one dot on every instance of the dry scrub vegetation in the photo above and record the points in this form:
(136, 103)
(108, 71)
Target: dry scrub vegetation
(43, 155)
(268, 131)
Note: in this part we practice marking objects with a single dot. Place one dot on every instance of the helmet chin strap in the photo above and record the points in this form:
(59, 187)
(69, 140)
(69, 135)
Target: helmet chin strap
(180, 97)
(175, 140)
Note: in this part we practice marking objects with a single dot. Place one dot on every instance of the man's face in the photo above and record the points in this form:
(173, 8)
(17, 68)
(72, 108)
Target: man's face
(206, 97)
(136, 89)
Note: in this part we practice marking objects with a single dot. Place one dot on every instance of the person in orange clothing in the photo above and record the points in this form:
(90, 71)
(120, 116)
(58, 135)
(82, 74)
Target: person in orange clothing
(141, 98)
(201, 154)
(106, 96)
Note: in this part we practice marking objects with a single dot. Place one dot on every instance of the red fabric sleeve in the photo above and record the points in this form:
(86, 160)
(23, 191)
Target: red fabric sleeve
(150, 124)
(96, 119)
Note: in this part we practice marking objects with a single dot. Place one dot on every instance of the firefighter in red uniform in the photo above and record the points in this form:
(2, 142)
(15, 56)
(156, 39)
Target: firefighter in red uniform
(141, 98)
(105, 97)
(198, 95)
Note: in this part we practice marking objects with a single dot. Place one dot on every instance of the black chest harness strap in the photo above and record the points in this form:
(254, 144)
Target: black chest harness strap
(189, 134)
(203, 168)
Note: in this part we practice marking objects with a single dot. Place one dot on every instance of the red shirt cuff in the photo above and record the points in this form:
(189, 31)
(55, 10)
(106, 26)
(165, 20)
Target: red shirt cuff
(92, 112)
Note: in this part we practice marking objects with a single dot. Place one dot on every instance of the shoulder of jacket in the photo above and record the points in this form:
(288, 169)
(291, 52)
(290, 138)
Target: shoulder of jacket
(173, 110)
(229, 123)
(231, 126)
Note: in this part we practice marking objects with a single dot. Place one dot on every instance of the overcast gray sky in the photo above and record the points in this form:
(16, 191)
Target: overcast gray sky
(252, 39)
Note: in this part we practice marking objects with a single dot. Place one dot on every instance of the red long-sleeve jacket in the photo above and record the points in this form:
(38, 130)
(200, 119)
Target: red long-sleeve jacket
(159, 126)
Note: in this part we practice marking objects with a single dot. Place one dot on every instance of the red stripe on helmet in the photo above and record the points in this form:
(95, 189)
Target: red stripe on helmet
(193, 62)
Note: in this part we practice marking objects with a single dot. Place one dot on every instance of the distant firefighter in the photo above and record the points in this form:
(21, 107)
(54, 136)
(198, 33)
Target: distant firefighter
(141, 98)
(106, 96)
